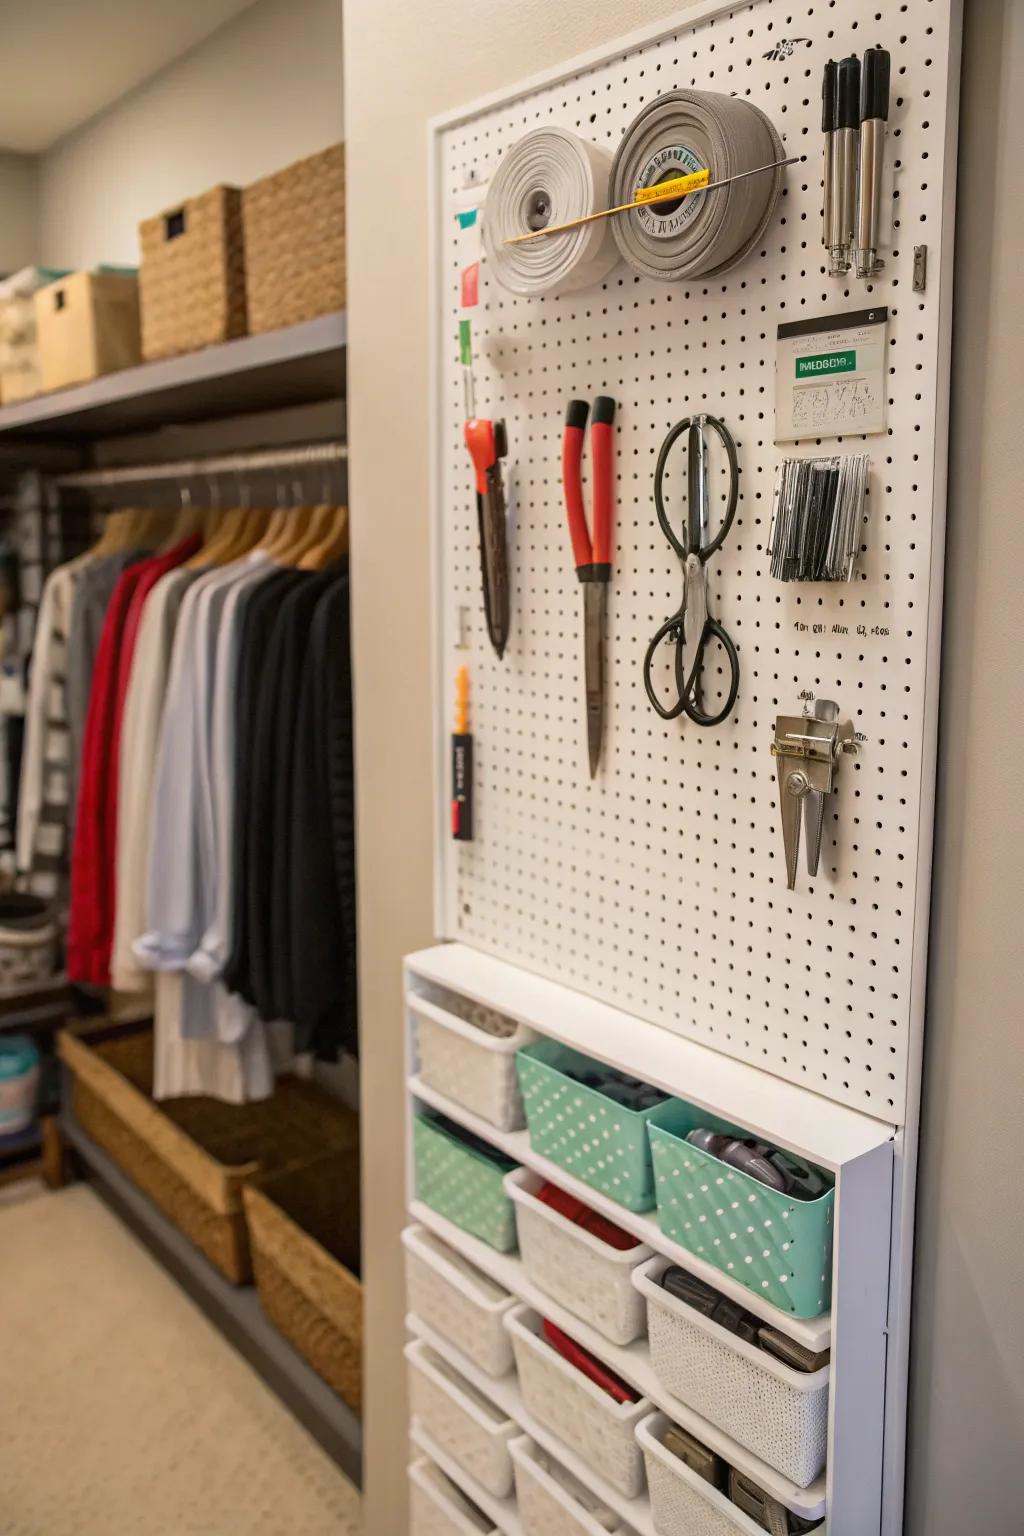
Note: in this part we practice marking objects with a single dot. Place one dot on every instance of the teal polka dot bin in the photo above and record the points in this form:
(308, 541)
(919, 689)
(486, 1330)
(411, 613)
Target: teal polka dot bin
(464, 1184)
(775, 1245)
(588, 1135)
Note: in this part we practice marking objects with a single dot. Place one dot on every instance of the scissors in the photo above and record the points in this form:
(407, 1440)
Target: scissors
(593, 558)
(692, 626)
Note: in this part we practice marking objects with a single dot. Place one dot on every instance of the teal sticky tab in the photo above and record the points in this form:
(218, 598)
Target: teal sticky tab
(467, 219)
(465, 344)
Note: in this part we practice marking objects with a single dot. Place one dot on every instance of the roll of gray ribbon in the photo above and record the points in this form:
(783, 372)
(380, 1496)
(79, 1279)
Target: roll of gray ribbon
(549, 177)
(704, 233)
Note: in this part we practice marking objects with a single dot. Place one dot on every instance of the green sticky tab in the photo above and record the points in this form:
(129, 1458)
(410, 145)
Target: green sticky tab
(467, 219)
(826, 362)
(465, 344)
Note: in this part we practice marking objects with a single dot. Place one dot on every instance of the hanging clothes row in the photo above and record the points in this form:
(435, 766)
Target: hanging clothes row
(205, 744)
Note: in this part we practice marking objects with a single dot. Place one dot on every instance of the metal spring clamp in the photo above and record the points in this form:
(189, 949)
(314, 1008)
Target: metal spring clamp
(806, 749)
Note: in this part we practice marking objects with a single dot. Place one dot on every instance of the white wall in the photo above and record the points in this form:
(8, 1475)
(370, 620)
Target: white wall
(263, 91)
(18, 211)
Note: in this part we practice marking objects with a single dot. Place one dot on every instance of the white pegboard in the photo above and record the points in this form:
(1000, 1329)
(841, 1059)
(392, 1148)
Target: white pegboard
(660, 887)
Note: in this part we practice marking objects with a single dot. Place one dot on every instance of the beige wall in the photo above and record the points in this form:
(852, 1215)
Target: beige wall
(967, 1401)
(18, 211)
(404, 62)
(261, 92)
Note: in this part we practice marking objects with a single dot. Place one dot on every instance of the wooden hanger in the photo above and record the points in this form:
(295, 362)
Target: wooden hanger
(316, 532)
(188, 520)
(330, 548)
(114, 537)
(297, 520)
(219, 540)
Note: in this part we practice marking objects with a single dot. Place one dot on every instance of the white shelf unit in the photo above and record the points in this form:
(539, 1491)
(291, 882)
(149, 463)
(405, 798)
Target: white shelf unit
(856, 1148)
(504, 1391)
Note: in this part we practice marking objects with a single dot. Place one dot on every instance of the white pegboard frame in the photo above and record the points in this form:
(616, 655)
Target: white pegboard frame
(849, 26)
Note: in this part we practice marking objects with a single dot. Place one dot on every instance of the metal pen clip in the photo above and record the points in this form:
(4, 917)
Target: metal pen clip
(806, 749)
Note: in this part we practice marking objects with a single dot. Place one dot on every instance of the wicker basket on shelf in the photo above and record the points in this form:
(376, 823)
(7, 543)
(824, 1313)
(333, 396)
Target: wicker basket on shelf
(192, 1156)
(294, 225)
(304, 1230)
(192, 276)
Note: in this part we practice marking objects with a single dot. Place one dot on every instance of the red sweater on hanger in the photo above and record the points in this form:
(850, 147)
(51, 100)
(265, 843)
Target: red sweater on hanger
(94, 853)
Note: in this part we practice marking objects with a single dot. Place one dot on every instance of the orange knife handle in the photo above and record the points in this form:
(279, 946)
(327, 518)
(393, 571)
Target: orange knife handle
(603, 456)
(572, 456)
(482, 450)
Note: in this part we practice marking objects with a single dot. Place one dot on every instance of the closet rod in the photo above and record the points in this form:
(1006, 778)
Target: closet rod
(197, 469)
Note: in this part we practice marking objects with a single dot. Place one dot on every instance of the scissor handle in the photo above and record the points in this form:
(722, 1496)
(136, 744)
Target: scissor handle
(682, 548)
(602, 453)
(670, 626)
(688, 685)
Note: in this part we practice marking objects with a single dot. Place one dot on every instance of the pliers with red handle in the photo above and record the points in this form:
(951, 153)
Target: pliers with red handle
(592, 555)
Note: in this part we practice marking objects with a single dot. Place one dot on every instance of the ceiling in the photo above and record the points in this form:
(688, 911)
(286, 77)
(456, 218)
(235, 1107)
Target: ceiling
(65, 60)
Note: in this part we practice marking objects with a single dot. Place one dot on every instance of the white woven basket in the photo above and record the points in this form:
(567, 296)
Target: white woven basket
(548, 1509)
(680, 1500)
(436, 1507)
(465, 1063)
(573, 1267)
(458, 1302)
(473, 1438)
(778, 1413)
(574, 1408)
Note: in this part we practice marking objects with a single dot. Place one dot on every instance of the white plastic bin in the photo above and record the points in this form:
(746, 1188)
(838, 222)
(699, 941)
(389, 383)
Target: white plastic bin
(591, 1280)
(680, 1500)
(547, 1508)
(778, 1413)
(575, 1409)
(438, 1508)
(457, 1300)
(464, 1060)
(473, 1431)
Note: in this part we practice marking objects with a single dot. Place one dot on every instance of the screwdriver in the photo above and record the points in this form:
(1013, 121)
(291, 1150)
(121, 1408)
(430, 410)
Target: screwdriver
(462, 762)
(843, 219)
(874, 113)
(828, 112)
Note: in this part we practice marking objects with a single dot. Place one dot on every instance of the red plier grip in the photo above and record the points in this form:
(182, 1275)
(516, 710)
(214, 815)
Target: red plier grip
(592, 555)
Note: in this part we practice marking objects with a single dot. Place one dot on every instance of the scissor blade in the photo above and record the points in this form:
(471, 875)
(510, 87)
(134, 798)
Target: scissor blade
(790, 807)
(494, 561)
(595, 598)
(814, 819)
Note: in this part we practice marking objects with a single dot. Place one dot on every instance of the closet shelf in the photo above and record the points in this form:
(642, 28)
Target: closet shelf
(235, 1311)
(295, 366)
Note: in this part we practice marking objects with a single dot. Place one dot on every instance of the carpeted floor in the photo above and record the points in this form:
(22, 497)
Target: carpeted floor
(122, 1411)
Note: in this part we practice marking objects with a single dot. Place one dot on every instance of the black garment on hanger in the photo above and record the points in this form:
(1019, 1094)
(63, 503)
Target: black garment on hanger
(322, 911)
(258, 614)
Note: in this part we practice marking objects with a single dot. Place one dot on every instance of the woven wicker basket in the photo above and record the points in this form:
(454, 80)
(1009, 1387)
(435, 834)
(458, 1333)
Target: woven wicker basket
(294, 223)
(192, 1156)
(192, 277)
(304, 1229)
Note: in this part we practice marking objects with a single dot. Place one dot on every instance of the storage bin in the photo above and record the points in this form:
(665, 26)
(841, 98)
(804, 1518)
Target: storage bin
(294, 231)
(462, 1421)
(192, 1156)
(590, 1279)
(305, 1238)
(438, 1508)
(773, 1244)
(466, 1060)
(460, 1182)
(778, 1413)
(682, 1501)
(28, 940)
(590, 1136)
(576, 1409)
(547, 1507)
(454, 1299)
(192, 274)
(19, 346)
(87, 325)
(19, 1084)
